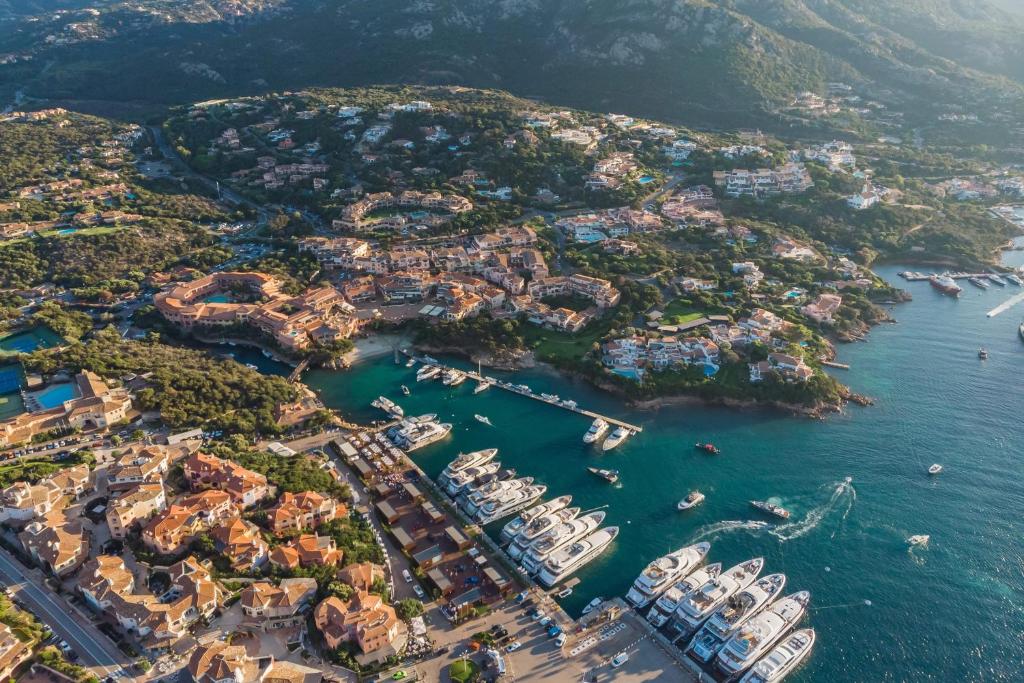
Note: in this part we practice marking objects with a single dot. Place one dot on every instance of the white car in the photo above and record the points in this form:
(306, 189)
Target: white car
(407, 576)
(419, 592)
(619, 659)
(513, 646)
(560, 640)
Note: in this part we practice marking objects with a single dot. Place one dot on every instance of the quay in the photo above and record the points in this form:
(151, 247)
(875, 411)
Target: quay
(636, 429)
(1006, 305)
(911, 276)
(834, 364)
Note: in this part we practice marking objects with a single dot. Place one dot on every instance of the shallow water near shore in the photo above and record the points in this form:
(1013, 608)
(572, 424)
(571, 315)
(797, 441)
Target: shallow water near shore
(883, 612)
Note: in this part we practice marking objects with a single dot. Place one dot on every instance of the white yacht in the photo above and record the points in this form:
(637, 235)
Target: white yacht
(427, 372)
(734, 613)
(464, 462)
(760, 634)
(541, 525)
(388, 406)
(694, 499)
(615, 438)
(413, 434)
(597, 429)
(658, 576)
(509, 504)
(478, 499)
(781, 661)
(700, 604)
(509, 531)
(458, 483)
(482, 386)
(571, 559)
(552, 541)
(453, 377)
(666, 605)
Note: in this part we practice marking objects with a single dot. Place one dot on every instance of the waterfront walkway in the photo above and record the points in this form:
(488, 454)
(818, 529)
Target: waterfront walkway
(507, 386)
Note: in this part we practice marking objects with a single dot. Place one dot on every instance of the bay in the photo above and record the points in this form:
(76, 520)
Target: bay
(883, 612)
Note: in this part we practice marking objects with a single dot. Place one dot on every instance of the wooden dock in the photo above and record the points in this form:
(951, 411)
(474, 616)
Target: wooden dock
(636, 429)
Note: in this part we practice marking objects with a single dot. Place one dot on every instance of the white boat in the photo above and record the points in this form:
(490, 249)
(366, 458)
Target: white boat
(564, 593)
(997, 279)
(694, 499)
(414, 434)
(658, 576)
(756, 637)
(570, 560)
(554, 540)
(458, 483)
(736, 611)
(782, 660)
(427, 372)
(919, 539)
(509, 504)
(411, 362)
(503, 490)
(453, 377)
(935, 469)
(593, 605)
(484, 419)
(597, 429)
(701, 603)
(665, 606)
(1015, 279)
(465, 461)
(510, 530)
(617, 437)
(405, 390)
(482, 386)
(388, 406)
(251, 366)
(770, 508)
(535, 529)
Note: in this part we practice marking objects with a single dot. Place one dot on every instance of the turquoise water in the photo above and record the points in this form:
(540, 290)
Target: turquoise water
(29, 340)
(950, 612)
(217, 299)
(55, 395)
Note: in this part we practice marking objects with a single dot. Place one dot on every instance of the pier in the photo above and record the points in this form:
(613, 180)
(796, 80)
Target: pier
(636, 429)
(1006, 305)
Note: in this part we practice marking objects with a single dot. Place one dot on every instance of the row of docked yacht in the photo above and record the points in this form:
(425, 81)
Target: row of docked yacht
(599, 427)
(730, 619)
(388, 406)
(416, 432)
(483, 490)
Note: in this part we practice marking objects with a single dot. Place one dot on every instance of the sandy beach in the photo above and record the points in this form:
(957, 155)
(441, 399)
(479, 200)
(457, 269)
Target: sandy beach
(375, 346)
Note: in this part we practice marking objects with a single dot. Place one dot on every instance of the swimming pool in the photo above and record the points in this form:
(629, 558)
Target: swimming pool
(645, 179)
(217, 299)
(54, 395)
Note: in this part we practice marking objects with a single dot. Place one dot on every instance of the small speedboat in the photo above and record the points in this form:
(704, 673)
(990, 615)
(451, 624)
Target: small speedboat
(608, 475)
(483, 418)
(770, 508)
(251, 366)
(978, 282)
(983, 354)
(593, 605)
(707, 448)
(691, 501)
(405, 390)
(564, 593)
(617, 437)
(935, 469)
(919, 540)
(411, 362)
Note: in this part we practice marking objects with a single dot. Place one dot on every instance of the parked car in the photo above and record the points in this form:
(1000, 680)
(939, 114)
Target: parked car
(420, 593)
(619, 659)
(554, 631)
(407, 576)
(545, 621)
(560, 640)
(513, 646)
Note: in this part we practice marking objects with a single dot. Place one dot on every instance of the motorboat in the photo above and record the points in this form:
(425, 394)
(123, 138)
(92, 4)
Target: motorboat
(458, 482)
(935, 469)
(465, 461)
(770, 508)
(658, 576)
(571, 559)
(405, 390)
(758, 635)
(919, 540)
(482, 386)
(707, 448)
(701, 603)
(597, 428)
(978, 282)
(388, 406)
(427, 372)
(411, 362)
(501, 490)
(983, 353)
(945, 284)
(1015, 279)
(611, 476)
(510, 530)
(997, 279)
(736, 611)
(665, 606)
(483, 419)
(564, 593)
(694, 499)
(593, 605)
(509, 504)
(555, 539)
(619, 435)
(453, 377)
(412, 434)
(783, 659)
(535, 529)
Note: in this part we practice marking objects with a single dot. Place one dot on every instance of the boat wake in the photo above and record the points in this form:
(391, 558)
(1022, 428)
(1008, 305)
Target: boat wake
(712, 530)
(842, 499)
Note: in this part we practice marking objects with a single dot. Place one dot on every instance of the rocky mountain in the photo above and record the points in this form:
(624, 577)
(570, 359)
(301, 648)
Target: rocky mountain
(712, 61)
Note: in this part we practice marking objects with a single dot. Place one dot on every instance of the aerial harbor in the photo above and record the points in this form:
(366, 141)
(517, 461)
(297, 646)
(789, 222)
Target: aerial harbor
(670, 341)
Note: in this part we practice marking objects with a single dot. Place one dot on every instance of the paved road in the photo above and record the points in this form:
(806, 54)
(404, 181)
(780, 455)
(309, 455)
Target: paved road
(95, 650)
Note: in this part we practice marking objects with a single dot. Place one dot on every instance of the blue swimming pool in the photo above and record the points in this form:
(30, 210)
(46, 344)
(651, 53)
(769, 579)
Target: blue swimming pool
(645, 179)
(217, 299)
(54, 395)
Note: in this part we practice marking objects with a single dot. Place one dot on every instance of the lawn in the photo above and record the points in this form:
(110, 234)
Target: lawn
(680, 311)
(562, 345)
(463, 670)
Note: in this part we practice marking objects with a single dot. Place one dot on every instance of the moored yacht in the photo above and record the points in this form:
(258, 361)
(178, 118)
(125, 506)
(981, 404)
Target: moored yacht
(509, 504)
(665, 606)
(541, 525)
(559, 537)
(658, 576)
(597, 428)
(761, 633)
(734, 613)
(571, 559)
(978, 282)
(472, 503)
(1015, 279)
(427, 372)
(782, 660)
(615, 438)
(701, 603)
(945, 284)
(453, 377)
(458, 483)
(509, 531)
(482, 386)
(415, 433)
(997, 279)
(388, 406)
(464, 462)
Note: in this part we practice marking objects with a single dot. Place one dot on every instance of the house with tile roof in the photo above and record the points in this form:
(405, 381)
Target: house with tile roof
(305, 510)
(245, 487)
(278, 606)
(365, 620)
(58, 544)
(241, 542)
(306, 551)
